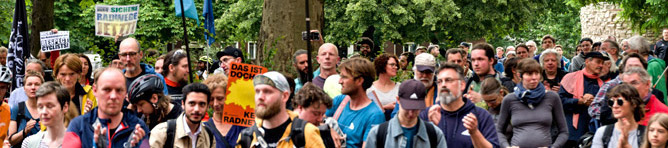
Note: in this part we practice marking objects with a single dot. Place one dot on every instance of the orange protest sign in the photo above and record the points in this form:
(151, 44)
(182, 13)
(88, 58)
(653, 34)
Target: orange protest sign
(240, 98)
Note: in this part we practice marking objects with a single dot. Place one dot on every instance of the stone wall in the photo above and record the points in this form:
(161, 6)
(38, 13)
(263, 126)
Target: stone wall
(601, 20)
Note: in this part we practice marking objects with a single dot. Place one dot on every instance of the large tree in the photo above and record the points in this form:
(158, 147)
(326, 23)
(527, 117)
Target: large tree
(42, 20)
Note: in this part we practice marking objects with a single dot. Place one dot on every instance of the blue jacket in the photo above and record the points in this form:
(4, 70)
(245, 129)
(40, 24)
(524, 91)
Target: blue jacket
(148, 69)
(456, 134)
(80, 131)
(571, 107)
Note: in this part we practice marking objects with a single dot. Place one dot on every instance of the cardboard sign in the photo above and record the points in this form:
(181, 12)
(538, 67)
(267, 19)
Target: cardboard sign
(54, 41)
(113, 20)
(240, 98)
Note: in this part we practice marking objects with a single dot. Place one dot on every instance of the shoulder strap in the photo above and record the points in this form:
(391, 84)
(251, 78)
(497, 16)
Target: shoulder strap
(297, 132)
(171, 128)
(21, 112)
(342, 105)
(640, 134)
(607, 134)
(382, 134)
(246, 136)
(211, 139)
(377, 100)
(433, 142)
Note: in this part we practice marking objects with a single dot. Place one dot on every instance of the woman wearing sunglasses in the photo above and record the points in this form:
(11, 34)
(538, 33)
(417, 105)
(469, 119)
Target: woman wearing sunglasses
(656, 135)
(532, 111)
(627, 108)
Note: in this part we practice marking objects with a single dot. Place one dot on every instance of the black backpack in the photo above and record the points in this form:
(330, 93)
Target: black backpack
(296, 135)
(607, 134)
(171, 127)
(382, 134)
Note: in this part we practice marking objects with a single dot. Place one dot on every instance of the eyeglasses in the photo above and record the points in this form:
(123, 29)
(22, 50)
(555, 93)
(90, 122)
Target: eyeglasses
(132, 54)
(619, 101)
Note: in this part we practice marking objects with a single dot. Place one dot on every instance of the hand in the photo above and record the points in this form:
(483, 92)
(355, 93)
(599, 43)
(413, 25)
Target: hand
(54, 30)
(588, 98)
(117, 36)
(337, 138)
(555, 88)
(389, 106)
(139, 134)
(29, 125)
(97, 132)
(6, 144)
(475, 97)
(88, 106)
(319, 36)
(434, 114)
(470, 122)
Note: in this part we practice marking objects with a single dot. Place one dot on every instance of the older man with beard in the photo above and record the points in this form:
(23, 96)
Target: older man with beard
(424, 72)
(130, 53)
(274, 120)
(463, 124)
(300, 62)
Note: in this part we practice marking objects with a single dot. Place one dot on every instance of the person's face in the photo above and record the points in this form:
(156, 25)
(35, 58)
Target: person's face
(349, 84)
(131, 56)
(625, 46)
(606, 68)
(547, 43)
(118, 64)
(607, 47)
(522, 52)
(532, 47)
(450, 86)
(457, 59)
(635, 81)
(84, 66)
(481, 63)
(180, 71)
(559, 50)
(313, 114)
(327, 58)
(3, 58)
(586, 46)
(50, 111)
(391, 67)
(158, 65)
(403, 61)
(658, 136)
(492, 100)
(426, 77)
(34, 67)
(499, 52)
(665, 34)
(302, 62)
(195, 105)
(42, 57)
(621, 111)
(530, 80)
(435, 52)
(67, 77)
(594, 65)
(218, 97)
(633, 62)
(144, 107)
(268, 101)
(201, 65)
(226, 61)
(408, 114)
(110, 93)
(31, 85)
(365, 49)
(550, 62)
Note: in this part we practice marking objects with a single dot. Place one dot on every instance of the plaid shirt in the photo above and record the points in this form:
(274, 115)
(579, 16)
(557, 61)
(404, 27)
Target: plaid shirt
(599, 99)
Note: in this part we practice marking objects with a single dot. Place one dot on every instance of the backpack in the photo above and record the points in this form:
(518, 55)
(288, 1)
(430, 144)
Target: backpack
(20, 116)
(607, 134)
(296, 135)
(171, 127)
(382, 134)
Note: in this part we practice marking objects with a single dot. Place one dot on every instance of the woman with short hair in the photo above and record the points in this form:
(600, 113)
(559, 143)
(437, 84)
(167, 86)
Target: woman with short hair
(52, 103)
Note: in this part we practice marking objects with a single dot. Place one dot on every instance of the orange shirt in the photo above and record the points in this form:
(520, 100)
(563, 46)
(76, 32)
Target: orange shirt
(5, 114)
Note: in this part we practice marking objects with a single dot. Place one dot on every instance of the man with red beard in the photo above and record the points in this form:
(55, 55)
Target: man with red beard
(176, 71)
(274, 124)
(187, 130)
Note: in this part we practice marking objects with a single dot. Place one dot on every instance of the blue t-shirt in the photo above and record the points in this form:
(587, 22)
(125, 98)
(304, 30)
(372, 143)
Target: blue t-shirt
(22, 122)
(356, 123)
(409, 134)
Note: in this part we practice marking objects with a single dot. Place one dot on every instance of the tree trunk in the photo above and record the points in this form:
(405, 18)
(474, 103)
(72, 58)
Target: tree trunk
(280, 32)
(42, 20)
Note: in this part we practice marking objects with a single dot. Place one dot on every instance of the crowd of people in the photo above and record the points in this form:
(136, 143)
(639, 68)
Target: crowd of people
(608, 95)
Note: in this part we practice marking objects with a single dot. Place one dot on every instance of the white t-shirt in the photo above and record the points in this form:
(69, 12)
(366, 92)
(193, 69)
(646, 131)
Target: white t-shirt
(385, 97)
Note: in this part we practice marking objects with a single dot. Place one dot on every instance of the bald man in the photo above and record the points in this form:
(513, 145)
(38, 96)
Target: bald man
(328, 58)
(129, 53)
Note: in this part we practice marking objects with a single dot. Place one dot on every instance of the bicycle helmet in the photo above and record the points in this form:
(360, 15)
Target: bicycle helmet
(5, 74)
(144, 87)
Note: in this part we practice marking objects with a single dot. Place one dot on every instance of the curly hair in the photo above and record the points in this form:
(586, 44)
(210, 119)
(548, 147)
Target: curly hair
(309, 95)
(381, 62)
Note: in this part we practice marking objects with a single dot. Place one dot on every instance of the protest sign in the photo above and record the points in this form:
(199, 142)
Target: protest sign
(113, 20)
(240, 98)
(54, 41)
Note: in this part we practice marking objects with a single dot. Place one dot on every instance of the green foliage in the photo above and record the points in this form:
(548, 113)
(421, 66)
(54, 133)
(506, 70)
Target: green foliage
(644, 15)
(7, 16)
(240, 21)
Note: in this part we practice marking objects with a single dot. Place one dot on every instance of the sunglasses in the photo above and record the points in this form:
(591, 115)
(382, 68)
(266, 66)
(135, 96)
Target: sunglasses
(619, 101)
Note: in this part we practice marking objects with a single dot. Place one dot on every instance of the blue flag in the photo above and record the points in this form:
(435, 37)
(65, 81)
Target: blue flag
(191, 11)
(208, 22)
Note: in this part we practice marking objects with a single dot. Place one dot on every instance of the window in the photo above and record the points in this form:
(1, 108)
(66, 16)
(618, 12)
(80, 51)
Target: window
(252, 50)
(409, 47)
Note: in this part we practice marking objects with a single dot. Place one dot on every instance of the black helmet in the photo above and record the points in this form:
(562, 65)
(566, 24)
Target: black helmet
(143, 87)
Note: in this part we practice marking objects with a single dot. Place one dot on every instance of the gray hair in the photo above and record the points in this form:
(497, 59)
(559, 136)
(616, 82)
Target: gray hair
(613, 66)
(644, 76)
(550, 51)
(37, 61)
(297, 53)
(639, 43)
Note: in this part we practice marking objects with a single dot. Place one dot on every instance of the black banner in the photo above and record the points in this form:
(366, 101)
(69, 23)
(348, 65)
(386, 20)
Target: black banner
(19, 45)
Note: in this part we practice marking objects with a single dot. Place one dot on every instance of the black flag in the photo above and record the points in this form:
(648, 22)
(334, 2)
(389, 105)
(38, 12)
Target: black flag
(19, 46)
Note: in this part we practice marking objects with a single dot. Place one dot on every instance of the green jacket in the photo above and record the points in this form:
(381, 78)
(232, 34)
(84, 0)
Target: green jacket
(655, 67)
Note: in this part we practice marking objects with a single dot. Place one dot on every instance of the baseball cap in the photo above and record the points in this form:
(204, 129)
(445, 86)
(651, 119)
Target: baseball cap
(272, 78)
(411, 94)
(425, 62)
(231, 51)
(596, 54)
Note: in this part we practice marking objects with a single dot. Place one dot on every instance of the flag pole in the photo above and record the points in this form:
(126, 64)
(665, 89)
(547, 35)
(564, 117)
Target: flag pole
(185, 35)
(309, 72)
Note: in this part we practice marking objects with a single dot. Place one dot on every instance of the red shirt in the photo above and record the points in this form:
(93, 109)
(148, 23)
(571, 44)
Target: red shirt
(652, 107)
